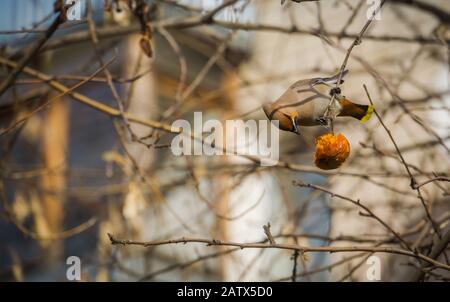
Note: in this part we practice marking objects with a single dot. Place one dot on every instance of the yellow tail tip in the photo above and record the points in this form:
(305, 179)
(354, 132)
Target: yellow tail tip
(369, 113)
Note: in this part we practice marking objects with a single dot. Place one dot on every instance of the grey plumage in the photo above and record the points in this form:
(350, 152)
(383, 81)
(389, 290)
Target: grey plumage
(307, 100)
(305, 103)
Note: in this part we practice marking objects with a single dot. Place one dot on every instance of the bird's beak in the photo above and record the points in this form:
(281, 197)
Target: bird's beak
(294, 125)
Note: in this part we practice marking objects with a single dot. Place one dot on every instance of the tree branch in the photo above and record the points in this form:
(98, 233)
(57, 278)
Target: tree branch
(30, 54)
(293, 247)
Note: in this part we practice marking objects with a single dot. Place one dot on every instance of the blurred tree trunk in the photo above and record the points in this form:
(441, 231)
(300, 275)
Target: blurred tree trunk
(224, 183)
(55, 139)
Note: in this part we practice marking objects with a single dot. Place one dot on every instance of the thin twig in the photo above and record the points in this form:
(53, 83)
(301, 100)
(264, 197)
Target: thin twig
(293, 247)
(30, 54)
(413, 182)
(268, 233)
(367, 212)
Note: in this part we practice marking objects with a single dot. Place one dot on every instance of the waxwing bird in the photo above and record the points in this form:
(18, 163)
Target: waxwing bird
(305, 103)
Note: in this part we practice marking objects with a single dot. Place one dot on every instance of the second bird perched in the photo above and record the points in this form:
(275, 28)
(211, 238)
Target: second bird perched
(305, 103)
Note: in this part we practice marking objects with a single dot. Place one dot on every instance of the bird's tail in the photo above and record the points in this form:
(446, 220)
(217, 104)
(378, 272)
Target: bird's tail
(360, 112)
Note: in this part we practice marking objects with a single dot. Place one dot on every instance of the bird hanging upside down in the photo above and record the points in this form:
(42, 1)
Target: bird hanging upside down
(306, 103)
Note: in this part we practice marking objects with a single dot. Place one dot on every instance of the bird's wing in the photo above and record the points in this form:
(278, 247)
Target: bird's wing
(300, 101)
(302, 83)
